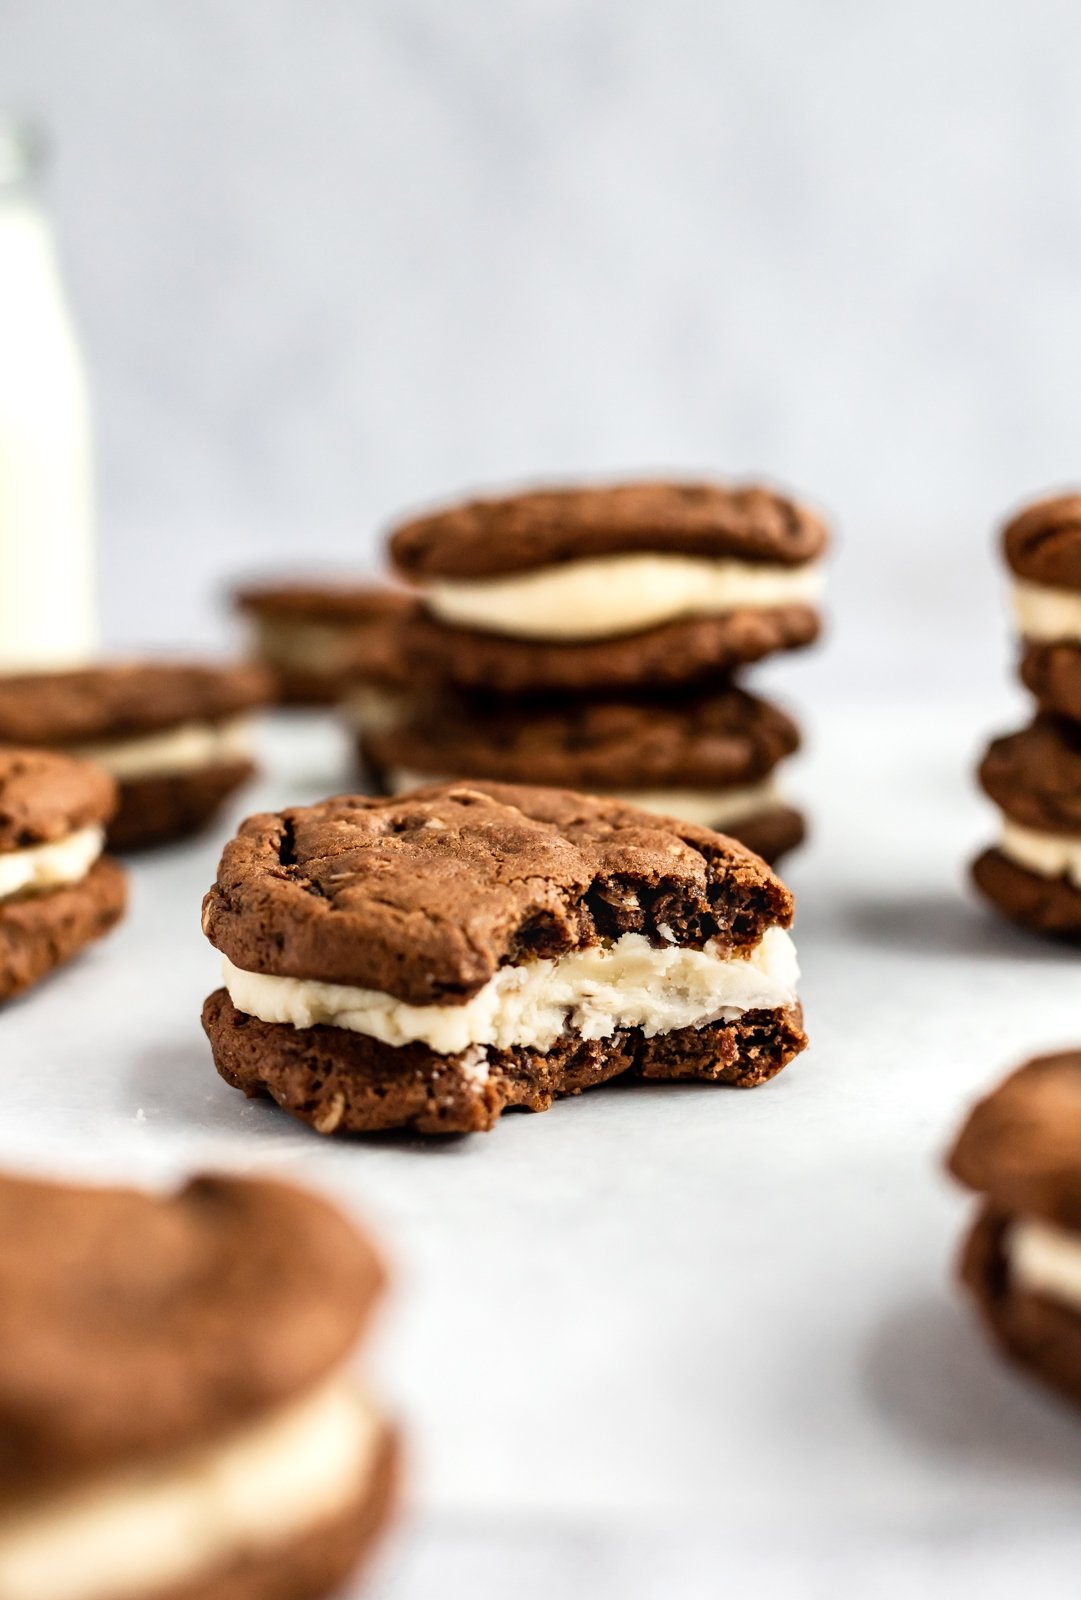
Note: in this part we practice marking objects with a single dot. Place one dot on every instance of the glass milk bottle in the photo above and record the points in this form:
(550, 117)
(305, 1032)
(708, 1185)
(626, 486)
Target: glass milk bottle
(47, 602)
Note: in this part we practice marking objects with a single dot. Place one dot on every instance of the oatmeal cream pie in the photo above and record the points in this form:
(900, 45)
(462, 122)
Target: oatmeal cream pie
(178, 1420)
(174, 735)
(711, 759)
(58, 892)
(1020, 1150)
(587, 589)
(1042, 546)
(317, 638)
(1033, 874)
(428, 961)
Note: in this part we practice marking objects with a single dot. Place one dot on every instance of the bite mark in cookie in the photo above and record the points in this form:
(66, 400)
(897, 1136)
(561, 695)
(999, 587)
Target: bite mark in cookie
(469, 921)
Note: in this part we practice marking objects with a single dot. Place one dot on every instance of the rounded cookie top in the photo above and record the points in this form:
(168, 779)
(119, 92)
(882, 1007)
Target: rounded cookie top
(327, 600)
(723, 739)
(124, 698)
(517, 533)
(45, 795)
(133, 1323)
(1034, 776)
(1021, 1146)
(1042, 543)
(426, 895)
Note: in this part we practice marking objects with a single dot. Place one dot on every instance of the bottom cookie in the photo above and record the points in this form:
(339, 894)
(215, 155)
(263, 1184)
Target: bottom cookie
(39, 932)
(340, 1081)
(156, 810)
(318, 1561)
(1049, 906)
(1042, 1337)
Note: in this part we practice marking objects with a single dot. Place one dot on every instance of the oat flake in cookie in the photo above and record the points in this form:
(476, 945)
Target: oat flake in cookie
(178, 1420)
(1020, 1151)
(58, 892)
(172, 734)
(585, 589)
(429, 961)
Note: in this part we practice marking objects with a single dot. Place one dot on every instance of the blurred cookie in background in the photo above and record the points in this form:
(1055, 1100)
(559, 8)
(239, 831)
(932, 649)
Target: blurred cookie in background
(58, 892)
(711, 759)
(174, 735)
(176, 1398)
(1033, 874)
(590, 589)
(1042, 546)
(315, 638)
(1020, 1151)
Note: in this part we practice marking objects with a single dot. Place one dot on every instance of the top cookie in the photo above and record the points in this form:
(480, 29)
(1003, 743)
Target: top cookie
(135, 1324)
(306, 600)
(1043, 542)
(123, 698)
(1021, 1146)
(542, 527)
(45, 796)
(424, 896)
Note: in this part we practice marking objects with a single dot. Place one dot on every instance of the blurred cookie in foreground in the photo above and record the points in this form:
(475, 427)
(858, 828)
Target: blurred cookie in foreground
(316, 637)
(176, 1404)
(432, 960)
(1020, 1150)
(710, 759)
(1043, 551)
(582, 590)
(174, 735)
(1033, 874)
(58, 892)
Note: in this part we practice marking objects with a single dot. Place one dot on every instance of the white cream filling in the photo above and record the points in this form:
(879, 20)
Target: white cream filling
(706, 808)
(174, 750)
(40, 867)
(134, 1533)
(1046, 1260)
(307, 646)
(619, 594)
(1050, 855)
(1046, 615)
(372, 709)
(594, 992)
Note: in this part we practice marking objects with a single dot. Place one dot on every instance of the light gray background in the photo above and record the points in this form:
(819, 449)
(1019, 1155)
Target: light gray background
(331, 259)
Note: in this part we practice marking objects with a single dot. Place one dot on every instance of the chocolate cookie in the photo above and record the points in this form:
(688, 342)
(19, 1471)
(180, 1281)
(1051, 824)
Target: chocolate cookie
(187, 1350)
(170, 733)
(427, 960)
(317, 638)
(1034, 873)
(709, 759)
(1042, 543)
(56, 892)
(593, 589)
(689, 650)
(1052, 673)
(521, 532)
(1019, 1150)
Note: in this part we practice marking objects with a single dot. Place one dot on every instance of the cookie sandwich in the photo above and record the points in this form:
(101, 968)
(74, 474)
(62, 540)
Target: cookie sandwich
(174, 735)
(708, 758)
(316, 639)
(1033, 874)
(581, 590)
(430, 960)
(1042, 545)
(178, 1420)
(1020, 1151)
(58, 892)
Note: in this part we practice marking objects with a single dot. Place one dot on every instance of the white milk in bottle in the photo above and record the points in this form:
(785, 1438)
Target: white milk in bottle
(48, 614)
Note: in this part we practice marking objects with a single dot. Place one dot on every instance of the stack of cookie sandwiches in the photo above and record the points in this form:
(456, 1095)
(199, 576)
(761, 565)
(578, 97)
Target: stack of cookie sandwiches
(177, 1409)
(314, 637)
(173, 735)
(1033, 873)
(590, 637)
(429, 961)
